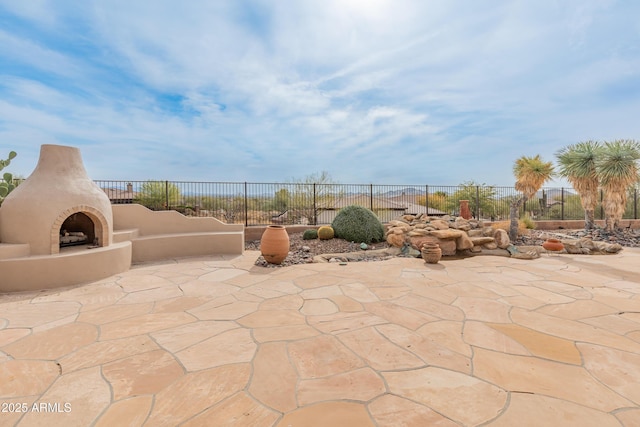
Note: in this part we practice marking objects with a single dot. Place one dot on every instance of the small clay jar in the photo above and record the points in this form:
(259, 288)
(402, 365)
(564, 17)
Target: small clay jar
(553, 245)
(431, 252)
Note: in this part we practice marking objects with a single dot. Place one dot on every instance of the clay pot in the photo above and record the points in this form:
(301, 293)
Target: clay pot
(431, 252)
(553, 245)
(274, 244)
(465, 212)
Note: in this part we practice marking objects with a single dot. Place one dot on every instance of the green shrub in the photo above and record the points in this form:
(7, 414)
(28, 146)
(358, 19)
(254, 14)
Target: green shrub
(310, 234)
(325, 232)
(529, 223)
(357, 224)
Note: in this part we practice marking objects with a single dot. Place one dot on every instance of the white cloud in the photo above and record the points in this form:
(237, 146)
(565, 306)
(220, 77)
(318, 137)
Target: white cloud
(262, 90)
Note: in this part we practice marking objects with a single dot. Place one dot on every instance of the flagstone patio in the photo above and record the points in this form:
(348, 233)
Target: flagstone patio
(220, 342)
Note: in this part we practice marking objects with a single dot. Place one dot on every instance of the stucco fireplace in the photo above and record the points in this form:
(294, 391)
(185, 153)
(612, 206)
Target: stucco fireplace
(56, 228)
(58, 190)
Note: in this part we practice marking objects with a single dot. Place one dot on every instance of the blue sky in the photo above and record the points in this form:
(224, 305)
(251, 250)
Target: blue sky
(371, 91)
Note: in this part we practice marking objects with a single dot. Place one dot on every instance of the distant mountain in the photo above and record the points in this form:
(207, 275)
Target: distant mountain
(408, 191)
(554, 193)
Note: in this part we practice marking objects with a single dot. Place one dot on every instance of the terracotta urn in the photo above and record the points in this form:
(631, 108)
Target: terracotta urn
(553, 245)
(431, 252)
(465, 212)
(274, 244)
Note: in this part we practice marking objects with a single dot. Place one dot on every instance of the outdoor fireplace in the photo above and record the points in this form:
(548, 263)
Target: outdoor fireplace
(57, 205)
(78, 229)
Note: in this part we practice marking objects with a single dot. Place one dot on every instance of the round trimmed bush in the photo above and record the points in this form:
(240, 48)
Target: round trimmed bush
(357, 224)
(310, 234)
(325, 233)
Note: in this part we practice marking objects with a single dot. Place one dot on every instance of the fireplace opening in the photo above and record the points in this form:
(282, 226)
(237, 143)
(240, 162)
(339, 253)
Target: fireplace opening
(77, 229)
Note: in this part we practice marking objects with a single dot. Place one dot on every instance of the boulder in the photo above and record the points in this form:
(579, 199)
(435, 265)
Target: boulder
(416, 242)
(461, 224)
(476, 223)
(479, 241)
(447, 234)
(439, 224)
(586, 246)
(525, 255)
(405, 226)
(448, 247)
(463, 242)
(601, 247)
(495, 252)
(488, 231)
(418, 232)
(396, 240)
(475, 233)
(502, 238)
(490, 245)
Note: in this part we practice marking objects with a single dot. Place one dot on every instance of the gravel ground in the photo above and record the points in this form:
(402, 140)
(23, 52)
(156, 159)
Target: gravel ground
(626, 237)
(303, 251)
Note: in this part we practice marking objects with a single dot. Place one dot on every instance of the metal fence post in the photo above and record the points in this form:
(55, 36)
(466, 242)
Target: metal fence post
(477, 202)
(635, 203)
(166, 195)
(601, 207)
(371, 196)
(562, 203)
(246, 206)
(426, 199)
(315, 207)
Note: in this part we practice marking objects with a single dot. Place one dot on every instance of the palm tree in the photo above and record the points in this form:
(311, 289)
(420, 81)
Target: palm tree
(531, 173)
(578, 165)
(617, 169)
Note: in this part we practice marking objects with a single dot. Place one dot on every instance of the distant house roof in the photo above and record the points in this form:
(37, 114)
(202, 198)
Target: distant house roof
(363, 200)
(380, 203)
(413, 208)
(120, 194)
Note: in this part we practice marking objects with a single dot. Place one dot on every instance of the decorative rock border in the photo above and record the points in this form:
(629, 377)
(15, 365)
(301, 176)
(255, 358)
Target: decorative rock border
(459, 236)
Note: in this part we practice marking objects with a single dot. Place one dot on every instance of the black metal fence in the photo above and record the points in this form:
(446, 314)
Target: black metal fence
(313, 203)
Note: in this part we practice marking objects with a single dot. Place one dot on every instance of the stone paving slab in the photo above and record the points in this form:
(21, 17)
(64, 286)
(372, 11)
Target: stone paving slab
(489, 341)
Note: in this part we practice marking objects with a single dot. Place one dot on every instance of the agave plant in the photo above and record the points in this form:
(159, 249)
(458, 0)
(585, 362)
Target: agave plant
(578, 164)
(531, 173)
(617, 169)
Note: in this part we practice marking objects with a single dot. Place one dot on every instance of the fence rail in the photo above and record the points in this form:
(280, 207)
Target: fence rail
(253, 203)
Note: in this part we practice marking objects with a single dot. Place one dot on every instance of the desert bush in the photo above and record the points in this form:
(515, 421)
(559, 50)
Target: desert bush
(528, 223)
(524, 225)
(358, 224)
(310, 234)
(325, 233)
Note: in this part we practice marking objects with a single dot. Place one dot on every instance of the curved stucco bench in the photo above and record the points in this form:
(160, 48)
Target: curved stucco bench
(158, 235)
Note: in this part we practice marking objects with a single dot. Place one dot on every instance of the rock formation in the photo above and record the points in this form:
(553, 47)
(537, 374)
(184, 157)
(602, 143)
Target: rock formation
(453, 235)
(459, 236)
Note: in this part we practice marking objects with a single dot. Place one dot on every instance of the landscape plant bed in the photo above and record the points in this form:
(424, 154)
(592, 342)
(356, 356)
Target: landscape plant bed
(303, 251)
(309, 251)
